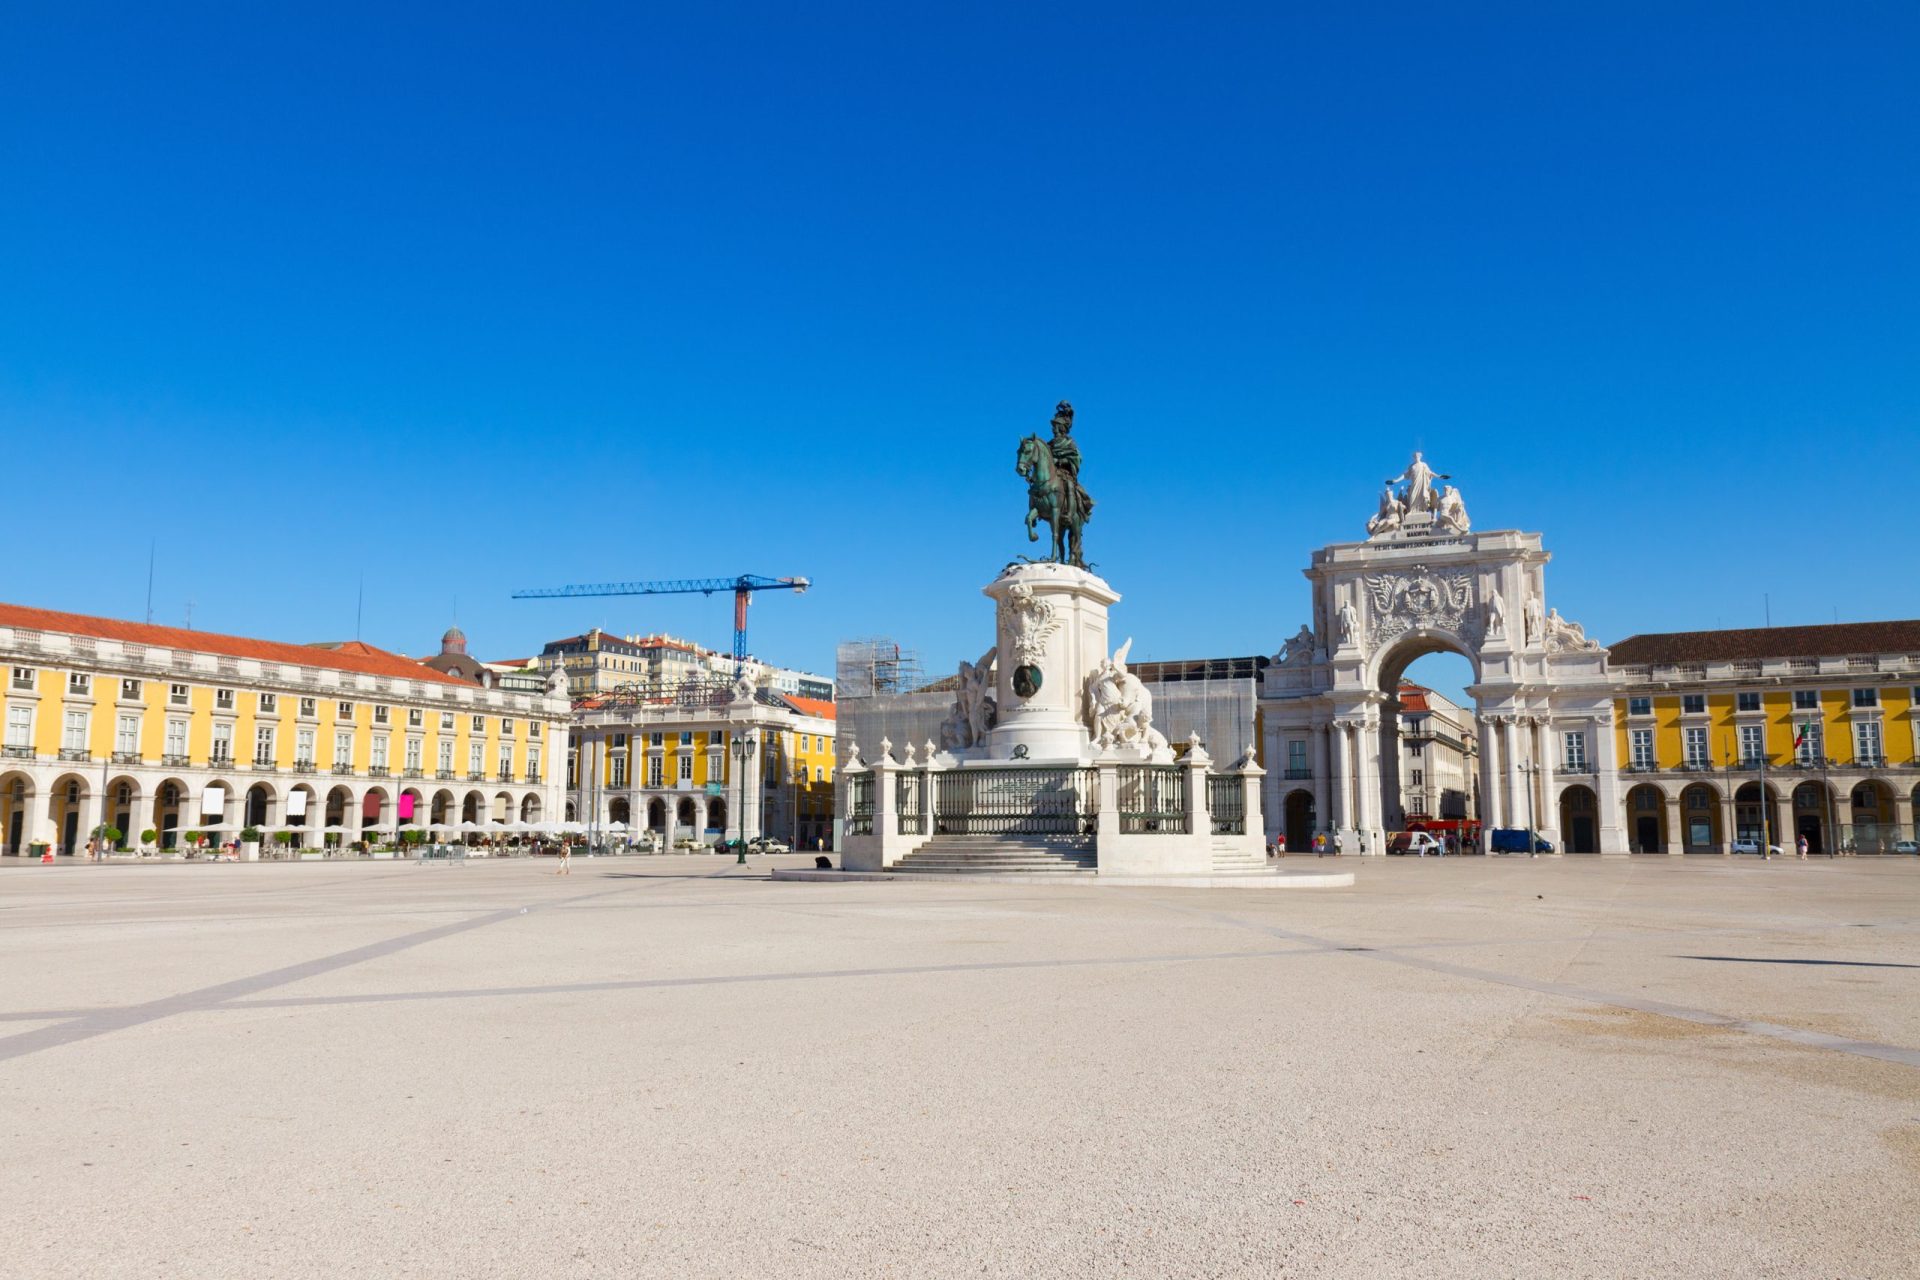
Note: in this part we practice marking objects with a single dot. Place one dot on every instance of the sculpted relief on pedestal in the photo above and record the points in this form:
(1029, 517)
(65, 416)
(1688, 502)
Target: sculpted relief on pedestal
(1027, 621)
(1418, 505)
(1421, 598)
(975, 709)
(1119, 706)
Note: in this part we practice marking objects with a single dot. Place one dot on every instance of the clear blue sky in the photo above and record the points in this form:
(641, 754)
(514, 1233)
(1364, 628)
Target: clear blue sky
(509, 295)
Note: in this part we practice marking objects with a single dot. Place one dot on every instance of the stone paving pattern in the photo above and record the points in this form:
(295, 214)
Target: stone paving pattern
(674, 1067)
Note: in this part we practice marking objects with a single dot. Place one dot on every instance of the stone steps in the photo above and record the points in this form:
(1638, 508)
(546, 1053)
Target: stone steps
(977, 855)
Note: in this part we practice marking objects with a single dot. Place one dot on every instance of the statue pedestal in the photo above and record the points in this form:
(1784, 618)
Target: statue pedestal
(1050, 632)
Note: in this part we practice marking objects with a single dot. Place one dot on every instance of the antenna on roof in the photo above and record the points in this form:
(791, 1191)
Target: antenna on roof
(189, 615)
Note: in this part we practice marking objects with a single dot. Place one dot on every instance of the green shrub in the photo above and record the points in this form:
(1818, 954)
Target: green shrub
(283, 837)
(250, 836)
(149, 836)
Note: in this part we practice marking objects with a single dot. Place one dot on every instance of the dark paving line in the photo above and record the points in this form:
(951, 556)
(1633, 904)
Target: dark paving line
(1794, 1035)
(106, 1021)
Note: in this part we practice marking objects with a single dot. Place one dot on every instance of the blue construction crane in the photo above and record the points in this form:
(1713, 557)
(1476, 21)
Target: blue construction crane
(742, 587)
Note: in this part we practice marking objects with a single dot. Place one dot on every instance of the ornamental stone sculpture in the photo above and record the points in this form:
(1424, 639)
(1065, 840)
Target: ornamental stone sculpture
(1051, 469)
(1119, 706)
(1418, 506)
(974, 711)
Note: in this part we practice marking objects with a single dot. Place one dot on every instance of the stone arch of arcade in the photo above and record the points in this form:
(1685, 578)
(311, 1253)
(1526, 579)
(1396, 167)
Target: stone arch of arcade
(1424, 581)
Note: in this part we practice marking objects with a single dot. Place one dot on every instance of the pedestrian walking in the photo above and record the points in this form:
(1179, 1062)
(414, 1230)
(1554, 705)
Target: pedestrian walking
(1336, 844)
(566, 860)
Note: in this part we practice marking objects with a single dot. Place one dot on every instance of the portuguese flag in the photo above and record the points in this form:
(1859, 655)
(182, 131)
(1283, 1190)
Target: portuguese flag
(1806, 731)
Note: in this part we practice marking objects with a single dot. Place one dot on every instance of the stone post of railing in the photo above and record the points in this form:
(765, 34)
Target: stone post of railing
(1199, 817)
(886, 805)
(1250, 776)
(1106, 827)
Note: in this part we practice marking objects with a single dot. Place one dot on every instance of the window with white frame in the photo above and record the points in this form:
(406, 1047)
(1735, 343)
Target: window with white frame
(1866, 697)
(303, 748)
(126, 735)
(74, 735)
(23, 678)
(506, 760)
(379, 760)
(654, 771)
(479, 724)
(414, 748)
(656, 739)
(506, 728)
(1752, 744)
(1746, 701)
(269, 704)
(476, 758)
(343, 711)
(446, 722)
(1640, 748)
(1697, 755)
(1693, 703)
(416, 718)
(309, 708)
(618, 768)
(342, 750)
(382, 714)
(1806, 700)
(79, 684)
(686, 738)
(819, 775)
(1809, 742)
(177, 695)
(222, 750)
(263, 744)
(132, 690)
(1639, 706)
(686, 767)
(177, 738)
(1866, 742)
(446, 755)
(19, 726)
(533, 760)
(1573, 754)
(223, 699)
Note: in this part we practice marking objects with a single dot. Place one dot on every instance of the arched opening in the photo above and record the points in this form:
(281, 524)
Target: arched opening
(373, 811)
(169, 808)
(618, 810)
(441, 813)
(67, 804)
(339, 805)
(411, 808)
(472, 807)
(531, 808)
(502, 808)
(302, 814)
(1812, 810)
(1298, 821)
(1872, 829)
(1700, 818)
(1647, 819)
(123, 810)
(1756, 817)
(656, 814)
(573, 813)
(685, 816)
(259, 804)
(716, 815)
(1429, 739)
(16, 800)
(1579, 820)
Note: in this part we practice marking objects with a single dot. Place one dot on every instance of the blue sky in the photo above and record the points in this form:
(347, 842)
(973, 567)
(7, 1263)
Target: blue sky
(497, 296)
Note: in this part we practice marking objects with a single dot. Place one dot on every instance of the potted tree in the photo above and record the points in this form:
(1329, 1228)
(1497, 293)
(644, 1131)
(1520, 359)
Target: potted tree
(192, 840)
(147, 839)
(250, 844)
(283, 840)
(106, 840)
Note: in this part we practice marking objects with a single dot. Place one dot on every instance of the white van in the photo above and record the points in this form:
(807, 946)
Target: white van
(1420, 842)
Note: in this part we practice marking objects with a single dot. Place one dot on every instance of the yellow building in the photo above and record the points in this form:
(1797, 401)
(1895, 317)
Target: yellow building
(181, 731)
(1809, 730)
(673, 766)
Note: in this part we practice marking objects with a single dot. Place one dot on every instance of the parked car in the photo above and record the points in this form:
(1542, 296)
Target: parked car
(1753, 846)
(1421, 843)
(1517, 840)
(686, 842)
(1905, 846)
(767, 844)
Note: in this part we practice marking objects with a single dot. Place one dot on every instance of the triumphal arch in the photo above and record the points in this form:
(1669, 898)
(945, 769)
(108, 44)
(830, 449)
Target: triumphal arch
(1425, 581)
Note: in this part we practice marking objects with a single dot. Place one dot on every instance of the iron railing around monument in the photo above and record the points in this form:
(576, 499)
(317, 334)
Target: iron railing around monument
(1227, 802)
(860, 805)
(1016, 802)
(910, 802)
(1153, 799)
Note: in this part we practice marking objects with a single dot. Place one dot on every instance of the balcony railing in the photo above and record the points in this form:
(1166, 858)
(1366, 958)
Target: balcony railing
(176, 760)
(263, 759)
(379, 771)
(74, 753)
(342, 770)
(18, 753)
(1227, 801)
(476, 775)
(444, 775)
(126, 757)
(304, 764)
(505, 775)
(533, 775)
(1036, 801)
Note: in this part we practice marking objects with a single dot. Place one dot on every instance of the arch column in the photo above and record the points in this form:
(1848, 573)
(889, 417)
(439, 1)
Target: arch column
(1729, 819)
(1547, 807)
(1902, 816)
(1340, 813)
(1317, 758)
(1672, 806)
(1510, 776)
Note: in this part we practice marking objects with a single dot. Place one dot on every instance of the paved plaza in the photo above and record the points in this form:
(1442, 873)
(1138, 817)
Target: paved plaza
(675, 1067)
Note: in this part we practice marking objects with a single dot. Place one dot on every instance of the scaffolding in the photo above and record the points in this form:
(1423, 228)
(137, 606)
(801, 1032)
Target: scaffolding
(875, 667)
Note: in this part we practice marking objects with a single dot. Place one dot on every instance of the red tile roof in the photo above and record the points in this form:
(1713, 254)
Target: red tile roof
(810, 706)
(1835, 640)
(351, 655)
(1413, 697)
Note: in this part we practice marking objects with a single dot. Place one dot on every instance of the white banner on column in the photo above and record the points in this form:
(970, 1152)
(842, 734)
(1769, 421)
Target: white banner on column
(214, 800)
(296, 804)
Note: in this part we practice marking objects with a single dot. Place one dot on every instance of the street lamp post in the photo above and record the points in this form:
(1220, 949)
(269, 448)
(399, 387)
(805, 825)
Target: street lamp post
(743, 749)
(1529, 769)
